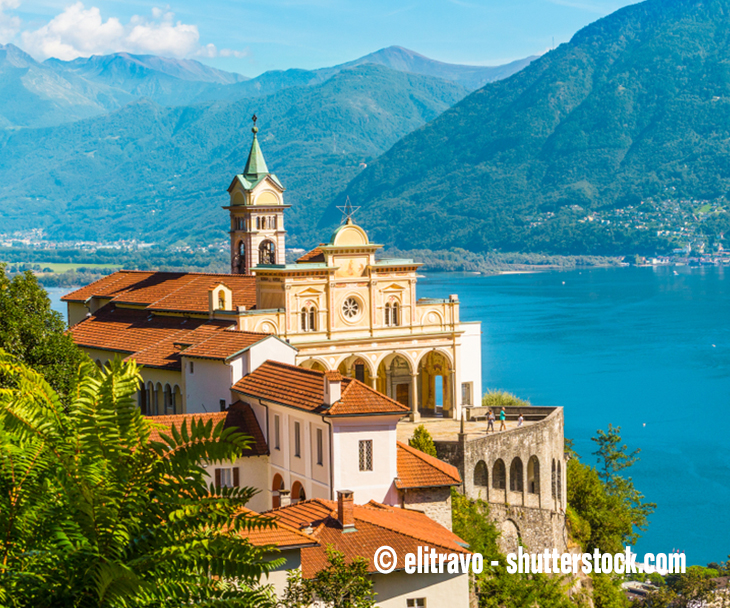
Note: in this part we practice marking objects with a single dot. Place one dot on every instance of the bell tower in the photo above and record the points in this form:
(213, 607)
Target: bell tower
(257, 214)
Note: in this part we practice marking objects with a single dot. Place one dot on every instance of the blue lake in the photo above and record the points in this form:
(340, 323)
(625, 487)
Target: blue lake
(642, 348)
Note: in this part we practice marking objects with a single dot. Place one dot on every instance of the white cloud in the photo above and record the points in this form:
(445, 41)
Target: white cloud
(80, 32)
(9, 24)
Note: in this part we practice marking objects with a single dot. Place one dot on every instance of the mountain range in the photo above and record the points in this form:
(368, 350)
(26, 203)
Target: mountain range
(159, 173)
(635, 106)
(34, 94)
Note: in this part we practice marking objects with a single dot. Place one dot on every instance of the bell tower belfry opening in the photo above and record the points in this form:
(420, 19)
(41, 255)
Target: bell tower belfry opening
(257, 214)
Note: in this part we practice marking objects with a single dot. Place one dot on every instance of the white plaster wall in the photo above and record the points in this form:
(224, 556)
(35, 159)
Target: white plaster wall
(471, 359)
(207, 385)
(270, 349)
(277, 578)
(254, 473)
(394, 589)
(366, 485)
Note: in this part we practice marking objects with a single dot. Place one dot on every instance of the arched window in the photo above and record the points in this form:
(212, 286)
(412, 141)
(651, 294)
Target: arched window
(560, 484)
(168, 400)
(309, 318)
(533, 475)
(241, 223)
(553, 480)
(276, 222)
(516, 477)
(221, 300)
(297, 493)
(392, 314)
(481, 475)
(499, 475)
(151, 405)
(258, 223)
(277, 484)
(241, 257)
(267, 253)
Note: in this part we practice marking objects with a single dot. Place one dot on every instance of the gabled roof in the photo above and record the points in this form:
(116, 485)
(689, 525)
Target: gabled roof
(282, 536)
(238, 415)
(419, 470)
(303, 389)
(148, 339)
(375, 525)
(313, 256)
(167, 291)
(224, 345)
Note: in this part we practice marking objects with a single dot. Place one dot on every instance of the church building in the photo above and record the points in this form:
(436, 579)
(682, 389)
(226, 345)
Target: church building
(339, 307)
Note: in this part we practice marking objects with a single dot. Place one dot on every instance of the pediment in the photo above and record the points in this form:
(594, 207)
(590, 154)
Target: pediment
(310, 291)
(394, 287)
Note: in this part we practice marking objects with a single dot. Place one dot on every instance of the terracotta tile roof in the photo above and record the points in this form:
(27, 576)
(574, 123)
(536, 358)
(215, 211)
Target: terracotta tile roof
(304, 389)
(419, 470)
(239, 415)
(282, 536)
(316, 255)
(375, 525)
(148, 339)
(174, 291)
(224, 344)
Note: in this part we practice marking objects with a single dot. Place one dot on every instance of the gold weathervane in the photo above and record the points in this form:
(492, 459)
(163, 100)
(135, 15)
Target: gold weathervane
(347, 211)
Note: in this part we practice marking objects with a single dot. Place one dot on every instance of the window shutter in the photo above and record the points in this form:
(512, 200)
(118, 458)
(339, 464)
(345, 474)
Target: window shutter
(217, 478)
(235, 477)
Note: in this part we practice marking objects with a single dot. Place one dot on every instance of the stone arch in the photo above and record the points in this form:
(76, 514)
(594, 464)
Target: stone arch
(99, 364)
(533, 475)
(177, 403)
(267, 197)
(266, 327)
(435, 383)
(314, 363)
(297, 492)
(510, 538)
(516, 475)
(481, 479)
(267, 252)
(432, 317)
(276, 485)
(395, 377)
(159, 399)
(358, 366)
(499, 475)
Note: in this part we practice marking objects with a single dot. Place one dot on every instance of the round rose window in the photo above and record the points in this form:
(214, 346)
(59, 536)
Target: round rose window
(351, 308)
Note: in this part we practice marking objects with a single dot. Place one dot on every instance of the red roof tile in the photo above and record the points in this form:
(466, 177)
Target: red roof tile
(375, 525)
(174, 291)
(148, 339)
(238, 415)
(419, 470)
(304, 389)
(313, 256)
(281, 536)
(224, 344)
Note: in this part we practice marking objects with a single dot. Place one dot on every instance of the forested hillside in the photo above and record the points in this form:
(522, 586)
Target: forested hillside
(635, 107)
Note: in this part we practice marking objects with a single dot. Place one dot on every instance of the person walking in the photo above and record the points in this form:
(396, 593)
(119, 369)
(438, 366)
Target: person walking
(502, 418)
(520, 420)
(490, 421)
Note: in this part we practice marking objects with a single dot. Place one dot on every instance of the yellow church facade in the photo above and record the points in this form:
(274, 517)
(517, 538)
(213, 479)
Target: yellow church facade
(344, 309)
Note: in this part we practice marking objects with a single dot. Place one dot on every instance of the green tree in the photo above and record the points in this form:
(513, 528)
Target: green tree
(423, 441)
(93, 513)
(337, 585)
(499, 398)
(34, 333)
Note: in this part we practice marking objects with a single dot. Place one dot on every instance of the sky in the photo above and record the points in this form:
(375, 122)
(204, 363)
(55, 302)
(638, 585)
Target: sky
(253, 36)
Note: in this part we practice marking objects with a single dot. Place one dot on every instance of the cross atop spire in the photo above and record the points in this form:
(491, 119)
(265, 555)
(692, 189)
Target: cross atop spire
(255, 165)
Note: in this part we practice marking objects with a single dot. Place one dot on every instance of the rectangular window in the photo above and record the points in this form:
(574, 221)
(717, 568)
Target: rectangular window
(418, 602)
(366, 455)
(297, 440)
(466, 393)
(277, 444)
(192, 367)
(320, 447)
(227, 478)
(360, 372)
(223, 405)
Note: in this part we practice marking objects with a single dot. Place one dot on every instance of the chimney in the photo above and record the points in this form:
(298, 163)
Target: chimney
(346, 510)
(284, 498)
(332, 388)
